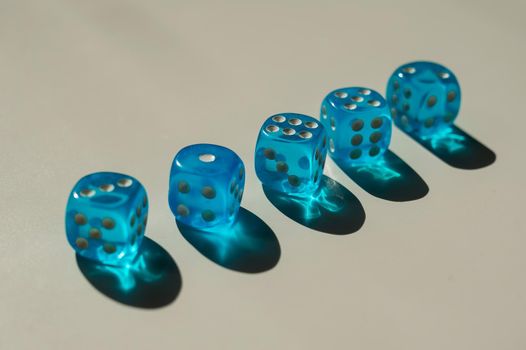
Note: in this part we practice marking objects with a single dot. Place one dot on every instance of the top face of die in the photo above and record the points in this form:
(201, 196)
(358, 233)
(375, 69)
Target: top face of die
(356, 99)
(423, 73)
(292, 127)
(106, 190)
(212, 160)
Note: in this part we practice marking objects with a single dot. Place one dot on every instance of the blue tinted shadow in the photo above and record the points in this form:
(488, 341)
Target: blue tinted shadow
(457, 148)
(332, 209)
(389, 178)
(152, 280)
(249, 245)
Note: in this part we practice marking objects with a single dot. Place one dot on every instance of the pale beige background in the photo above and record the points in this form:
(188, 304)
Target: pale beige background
(122, 85)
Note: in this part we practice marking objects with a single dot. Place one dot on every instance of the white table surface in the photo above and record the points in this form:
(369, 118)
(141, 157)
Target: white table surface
(121, 85)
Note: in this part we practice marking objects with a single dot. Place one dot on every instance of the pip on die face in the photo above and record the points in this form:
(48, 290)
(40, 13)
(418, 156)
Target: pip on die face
(206, 186)
(290, 153)
(424, 98)
(106, 216)
(358, 124)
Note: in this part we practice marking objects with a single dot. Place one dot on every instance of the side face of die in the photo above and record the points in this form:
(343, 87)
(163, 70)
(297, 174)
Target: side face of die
(424, 97)
(206, 186)
(358, 123)
(106, 216)
(290, 153)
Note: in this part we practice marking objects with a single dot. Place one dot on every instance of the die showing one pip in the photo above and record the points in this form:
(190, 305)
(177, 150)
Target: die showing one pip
(290, 153)
(106, 217)
(206, 186)
(424, 98)
(358, 124)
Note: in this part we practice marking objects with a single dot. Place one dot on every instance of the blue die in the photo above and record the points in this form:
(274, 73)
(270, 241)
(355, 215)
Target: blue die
(106, 217)
(290, 153)
(424, 98)
(358, 124)
(206, 186)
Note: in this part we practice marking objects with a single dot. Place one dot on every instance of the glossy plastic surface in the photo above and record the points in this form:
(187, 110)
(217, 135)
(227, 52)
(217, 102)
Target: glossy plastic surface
(290, 153)
(358, 124)
(424, 98)
(106, 217)
(206, 186)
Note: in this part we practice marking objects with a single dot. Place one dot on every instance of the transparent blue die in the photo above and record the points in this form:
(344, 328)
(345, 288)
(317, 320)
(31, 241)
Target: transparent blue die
(358, 124)
(106, 216)
(424, 98)
(290, 153)
(206, 186)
